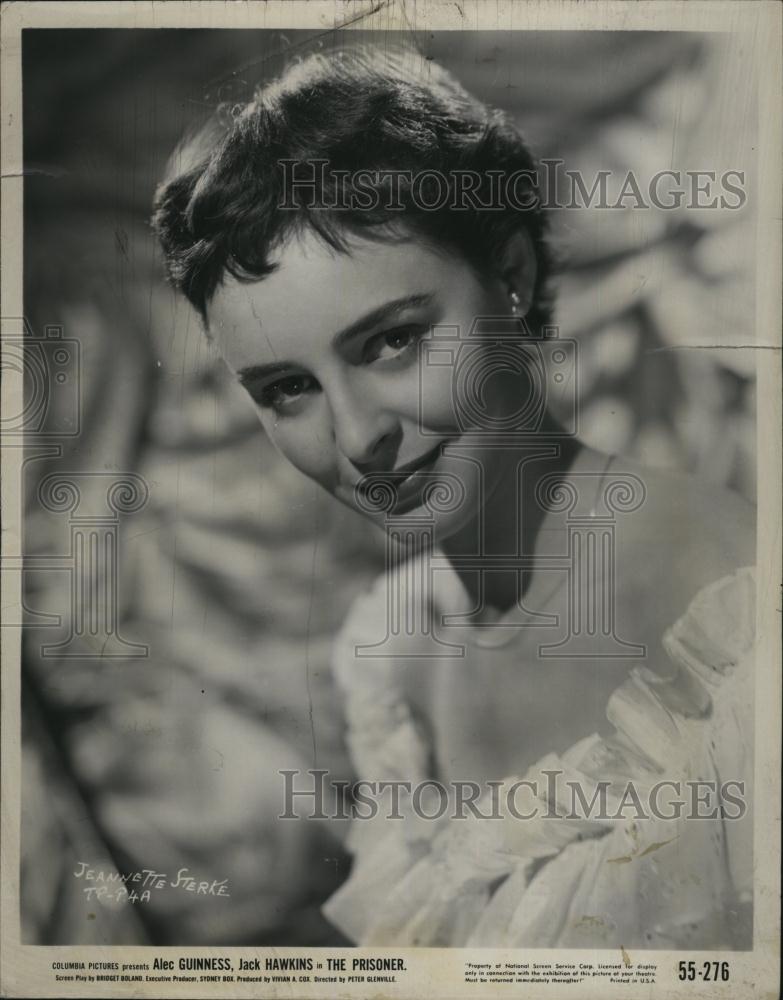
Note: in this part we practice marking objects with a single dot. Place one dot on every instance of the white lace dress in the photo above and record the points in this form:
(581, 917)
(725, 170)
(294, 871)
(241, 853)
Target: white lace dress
(567, 882)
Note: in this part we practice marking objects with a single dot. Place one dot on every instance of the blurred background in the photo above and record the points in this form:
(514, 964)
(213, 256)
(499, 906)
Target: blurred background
(233, 570)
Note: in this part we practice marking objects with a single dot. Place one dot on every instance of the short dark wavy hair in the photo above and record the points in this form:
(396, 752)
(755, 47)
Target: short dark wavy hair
(368, 109)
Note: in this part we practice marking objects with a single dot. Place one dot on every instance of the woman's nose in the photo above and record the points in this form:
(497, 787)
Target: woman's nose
(367, 434)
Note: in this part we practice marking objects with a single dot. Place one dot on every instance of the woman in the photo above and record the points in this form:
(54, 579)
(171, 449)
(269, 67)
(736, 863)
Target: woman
(365, 245)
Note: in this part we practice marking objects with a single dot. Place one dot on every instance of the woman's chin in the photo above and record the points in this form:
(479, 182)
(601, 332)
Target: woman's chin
(420, 525)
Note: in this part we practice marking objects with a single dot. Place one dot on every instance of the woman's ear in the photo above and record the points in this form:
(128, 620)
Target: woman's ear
(517, 268)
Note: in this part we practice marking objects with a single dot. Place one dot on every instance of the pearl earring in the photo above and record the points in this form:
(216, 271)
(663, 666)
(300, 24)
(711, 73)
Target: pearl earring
(515, 302)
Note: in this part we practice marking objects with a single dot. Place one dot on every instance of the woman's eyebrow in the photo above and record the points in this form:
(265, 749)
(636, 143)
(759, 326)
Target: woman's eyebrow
(369, 321)
(381, 315)
(255, 372)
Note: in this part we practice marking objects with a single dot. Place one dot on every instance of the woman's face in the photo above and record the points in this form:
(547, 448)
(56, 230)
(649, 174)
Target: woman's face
(332, 348)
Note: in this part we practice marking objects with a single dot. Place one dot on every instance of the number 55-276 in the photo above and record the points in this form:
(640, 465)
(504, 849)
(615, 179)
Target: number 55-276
(710, 972)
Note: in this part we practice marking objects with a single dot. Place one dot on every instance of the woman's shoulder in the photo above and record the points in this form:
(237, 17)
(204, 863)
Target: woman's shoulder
(682, 508)
(687, 535)
(388, 610)
(710, 659)
(369, 660)
(366, 610)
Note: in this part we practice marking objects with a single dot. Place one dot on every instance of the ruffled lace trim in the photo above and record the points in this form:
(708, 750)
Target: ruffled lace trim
(580, 882)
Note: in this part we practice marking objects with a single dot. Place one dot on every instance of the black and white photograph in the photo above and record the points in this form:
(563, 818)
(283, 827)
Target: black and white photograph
(391, 498)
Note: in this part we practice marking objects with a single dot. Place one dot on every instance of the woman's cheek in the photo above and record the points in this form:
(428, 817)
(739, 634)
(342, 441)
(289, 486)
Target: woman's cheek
(435, 400)
(306, 446)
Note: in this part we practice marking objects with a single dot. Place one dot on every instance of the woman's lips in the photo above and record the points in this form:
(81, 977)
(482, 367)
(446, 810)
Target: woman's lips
(408, 481)
(410, 489)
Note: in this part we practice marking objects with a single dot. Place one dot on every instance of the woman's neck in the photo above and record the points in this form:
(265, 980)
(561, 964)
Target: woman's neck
(512, 519)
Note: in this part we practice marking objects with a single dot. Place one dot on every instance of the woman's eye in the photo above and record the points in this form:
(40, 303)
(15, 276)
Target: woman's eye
(285, 393)
(393, 344)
